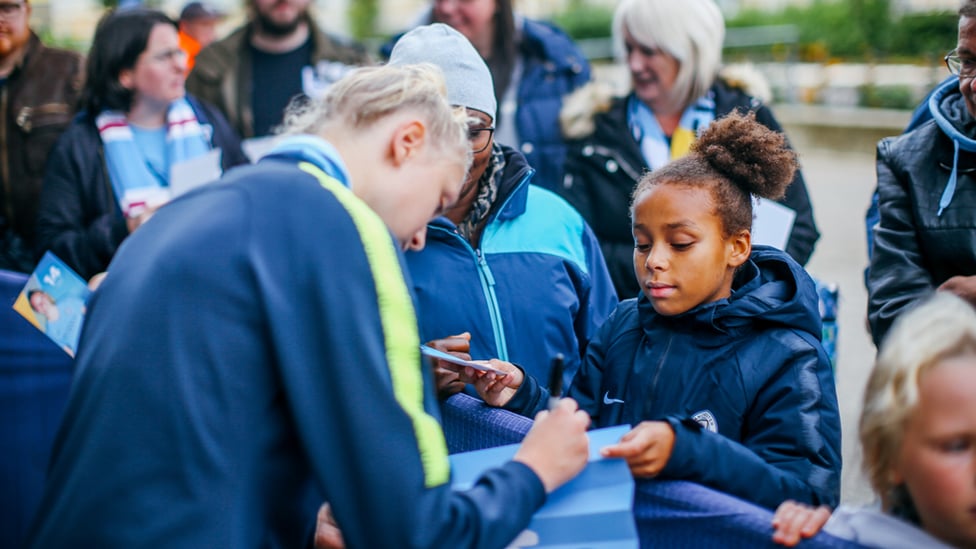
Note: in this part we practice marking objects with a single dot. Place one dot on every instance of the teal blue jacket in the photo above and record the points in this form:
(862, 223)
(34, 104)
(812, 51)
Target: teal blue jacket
(536, 284)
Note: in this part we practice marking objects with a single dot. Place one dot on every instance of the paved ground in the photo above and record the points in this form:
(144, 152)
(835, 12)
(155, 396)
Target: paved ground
(840, 185)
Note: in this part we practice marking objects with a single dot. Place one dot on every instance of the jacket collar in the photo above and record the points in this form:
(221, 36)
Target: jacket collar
(951, 116)
(315, 151)
(33, 44)
(513, 191)
(770, 289)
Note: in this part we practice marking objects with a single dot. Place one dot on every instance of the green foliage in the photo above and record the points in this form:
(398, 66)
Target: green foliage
(930, 35)
(582, 21)
(362, 18)
(887, 97)
(858, 29)
(62, 42)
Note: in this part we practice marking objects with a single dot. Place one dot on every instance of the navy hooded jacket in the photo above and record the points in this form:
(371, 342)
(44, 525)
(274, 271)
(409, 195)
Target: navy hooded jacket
(252, 353)
(743, 381)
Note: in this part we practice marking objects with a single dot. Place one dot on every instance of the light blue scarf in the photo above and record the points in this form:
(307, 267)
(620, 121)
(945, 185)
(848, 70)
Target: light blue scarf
(656, 148)
(136, 184)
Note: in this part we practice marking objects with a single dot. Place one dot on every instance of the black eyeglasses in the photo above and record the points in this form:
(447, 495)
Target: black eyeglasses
(963, 67)
(480, 138)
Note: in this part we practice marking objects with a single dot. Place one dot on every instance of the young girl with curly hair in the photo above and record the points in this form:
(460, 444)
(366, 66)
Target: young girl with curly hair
(718, 363)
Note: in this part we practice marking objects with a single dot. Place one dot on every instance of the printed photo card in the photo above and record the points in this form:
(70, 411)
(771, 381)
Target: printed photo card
(55, 300)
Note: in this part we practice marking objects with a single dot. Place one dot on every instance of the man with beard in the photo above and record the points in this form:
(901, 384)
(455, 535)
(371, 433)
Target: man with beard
(280, 53)
(39, 87)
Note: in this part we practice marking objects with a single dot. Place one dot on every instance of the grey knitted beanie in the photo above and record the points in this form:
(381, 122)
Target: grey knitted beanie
(469, 82)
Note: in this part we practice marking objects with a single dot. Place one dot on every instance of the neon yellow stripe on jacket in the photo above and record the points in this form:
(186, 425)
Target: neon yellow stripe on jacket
(399, 326)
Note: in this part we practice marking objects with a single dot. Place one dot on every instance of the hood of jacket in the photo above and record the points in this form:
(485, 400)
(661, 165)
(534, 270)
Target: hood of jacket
(948, 109)
(771, 289)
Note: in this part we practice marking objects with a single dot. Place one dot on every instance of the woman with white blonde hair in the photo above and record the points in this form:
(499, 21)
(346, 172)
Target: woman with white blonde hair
(918, 435)
(673, 51)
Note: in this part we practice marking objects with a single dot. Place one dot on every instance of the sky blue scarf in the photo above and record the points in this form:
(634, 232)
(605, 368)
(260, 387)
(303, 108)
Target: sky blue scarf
(136, 184)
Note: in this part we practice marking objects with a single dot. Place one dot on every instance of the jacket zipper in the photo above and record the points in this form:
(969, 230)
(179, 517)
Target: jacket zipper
(660, 366)
(494, 311)
(487, 280)
(26, 116)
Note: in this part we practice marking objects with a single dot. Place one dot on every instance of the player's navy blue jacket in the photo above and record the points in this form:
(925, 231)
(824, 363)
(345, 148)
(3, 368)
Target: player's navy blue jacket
(252, 353)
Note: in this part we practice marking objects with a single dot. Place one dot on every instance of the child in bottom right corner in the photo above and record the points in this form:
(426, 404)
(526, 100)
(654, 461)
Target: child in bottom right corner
(918, 434)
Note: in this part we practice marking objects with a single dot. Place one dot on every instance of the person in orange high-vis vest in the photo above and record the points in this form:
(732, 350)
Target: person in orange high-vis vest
(198, 28)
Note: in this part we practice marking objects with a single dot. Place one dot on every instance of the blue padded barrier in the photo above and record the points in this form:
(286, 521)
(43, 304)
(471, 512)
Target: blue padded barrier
(35, 375)
(470, 424)
(669, 514)
(677, 514)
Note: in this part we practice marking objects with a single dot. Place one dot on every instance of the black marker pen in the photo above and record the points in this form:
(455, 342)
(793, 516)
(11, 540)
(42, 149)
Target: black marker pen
(555, 380)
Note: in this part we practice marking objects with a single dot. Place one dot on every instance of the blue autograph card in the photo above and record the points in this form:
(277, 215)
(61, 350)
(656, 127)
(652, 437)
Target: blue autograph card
(54, 300)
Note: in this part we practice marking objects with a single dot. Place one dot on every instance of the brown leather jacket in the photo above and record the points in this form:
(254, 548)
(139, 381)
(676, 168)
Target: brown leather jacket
(37, 103)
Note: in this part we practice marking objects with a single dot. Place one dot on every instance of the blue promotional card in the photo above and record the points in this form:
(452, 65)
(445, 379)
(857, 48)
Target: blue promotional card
(54, 300)
(593, 510)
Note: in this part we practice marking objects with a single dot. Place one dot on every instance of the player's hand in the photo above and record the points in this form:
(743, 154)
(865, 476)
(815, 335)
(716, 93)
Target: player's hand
(556, 447)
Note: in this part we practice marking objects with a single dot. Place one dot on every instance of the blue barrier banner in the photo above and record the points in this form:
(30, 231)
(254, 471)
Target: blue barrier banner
(594, 509)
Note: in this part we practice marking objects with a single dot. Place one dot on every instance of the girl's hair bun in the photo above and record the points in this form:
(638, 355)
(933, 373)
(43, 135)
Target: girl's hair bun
(752, 156)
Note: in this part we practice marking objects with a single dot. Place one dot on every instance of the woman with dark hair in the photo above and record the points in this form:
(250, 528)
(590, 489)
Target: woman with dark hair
(533, 65)
(112, 167)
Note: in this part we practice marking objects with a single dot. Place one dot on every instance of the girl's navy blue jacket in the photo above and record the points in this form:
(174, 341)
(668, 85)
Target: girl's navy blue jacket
(743, 381)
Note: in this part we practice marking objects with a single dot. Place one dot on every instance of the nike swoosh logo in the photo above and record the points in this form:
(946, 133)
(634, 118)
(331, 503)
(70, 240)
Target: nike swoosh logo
(608, 400)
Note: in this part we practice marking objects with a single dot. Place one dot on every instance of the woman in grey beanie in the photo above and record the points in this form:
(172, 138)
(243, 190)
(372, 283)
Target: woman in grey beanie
(511, 267)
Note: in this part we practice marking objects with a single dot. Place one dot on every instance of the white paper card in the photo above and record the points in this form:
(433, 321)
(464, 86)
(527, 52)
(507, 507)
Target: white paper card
(772, 223)
(190, 174)
(256, 147)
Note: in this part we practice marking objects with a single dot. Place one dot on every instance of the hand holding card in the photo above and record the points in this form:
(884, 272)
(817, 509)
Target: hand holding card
(441, 355)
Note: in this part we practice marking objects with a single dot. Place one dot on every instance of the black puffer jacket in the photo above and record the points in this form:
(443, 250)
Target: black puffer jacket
(603, 167)
(915, 247)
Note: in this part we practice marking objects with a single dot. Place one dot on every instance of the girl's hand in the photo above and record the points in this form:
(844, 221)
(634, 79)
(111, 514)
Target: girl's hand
(795, 521)
(647, 448)
(494, 389)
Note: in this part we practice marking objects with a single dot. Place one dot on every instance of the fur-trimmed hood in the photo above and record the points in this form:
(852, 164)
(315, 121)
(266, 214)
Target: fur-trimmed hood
(581, 106)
